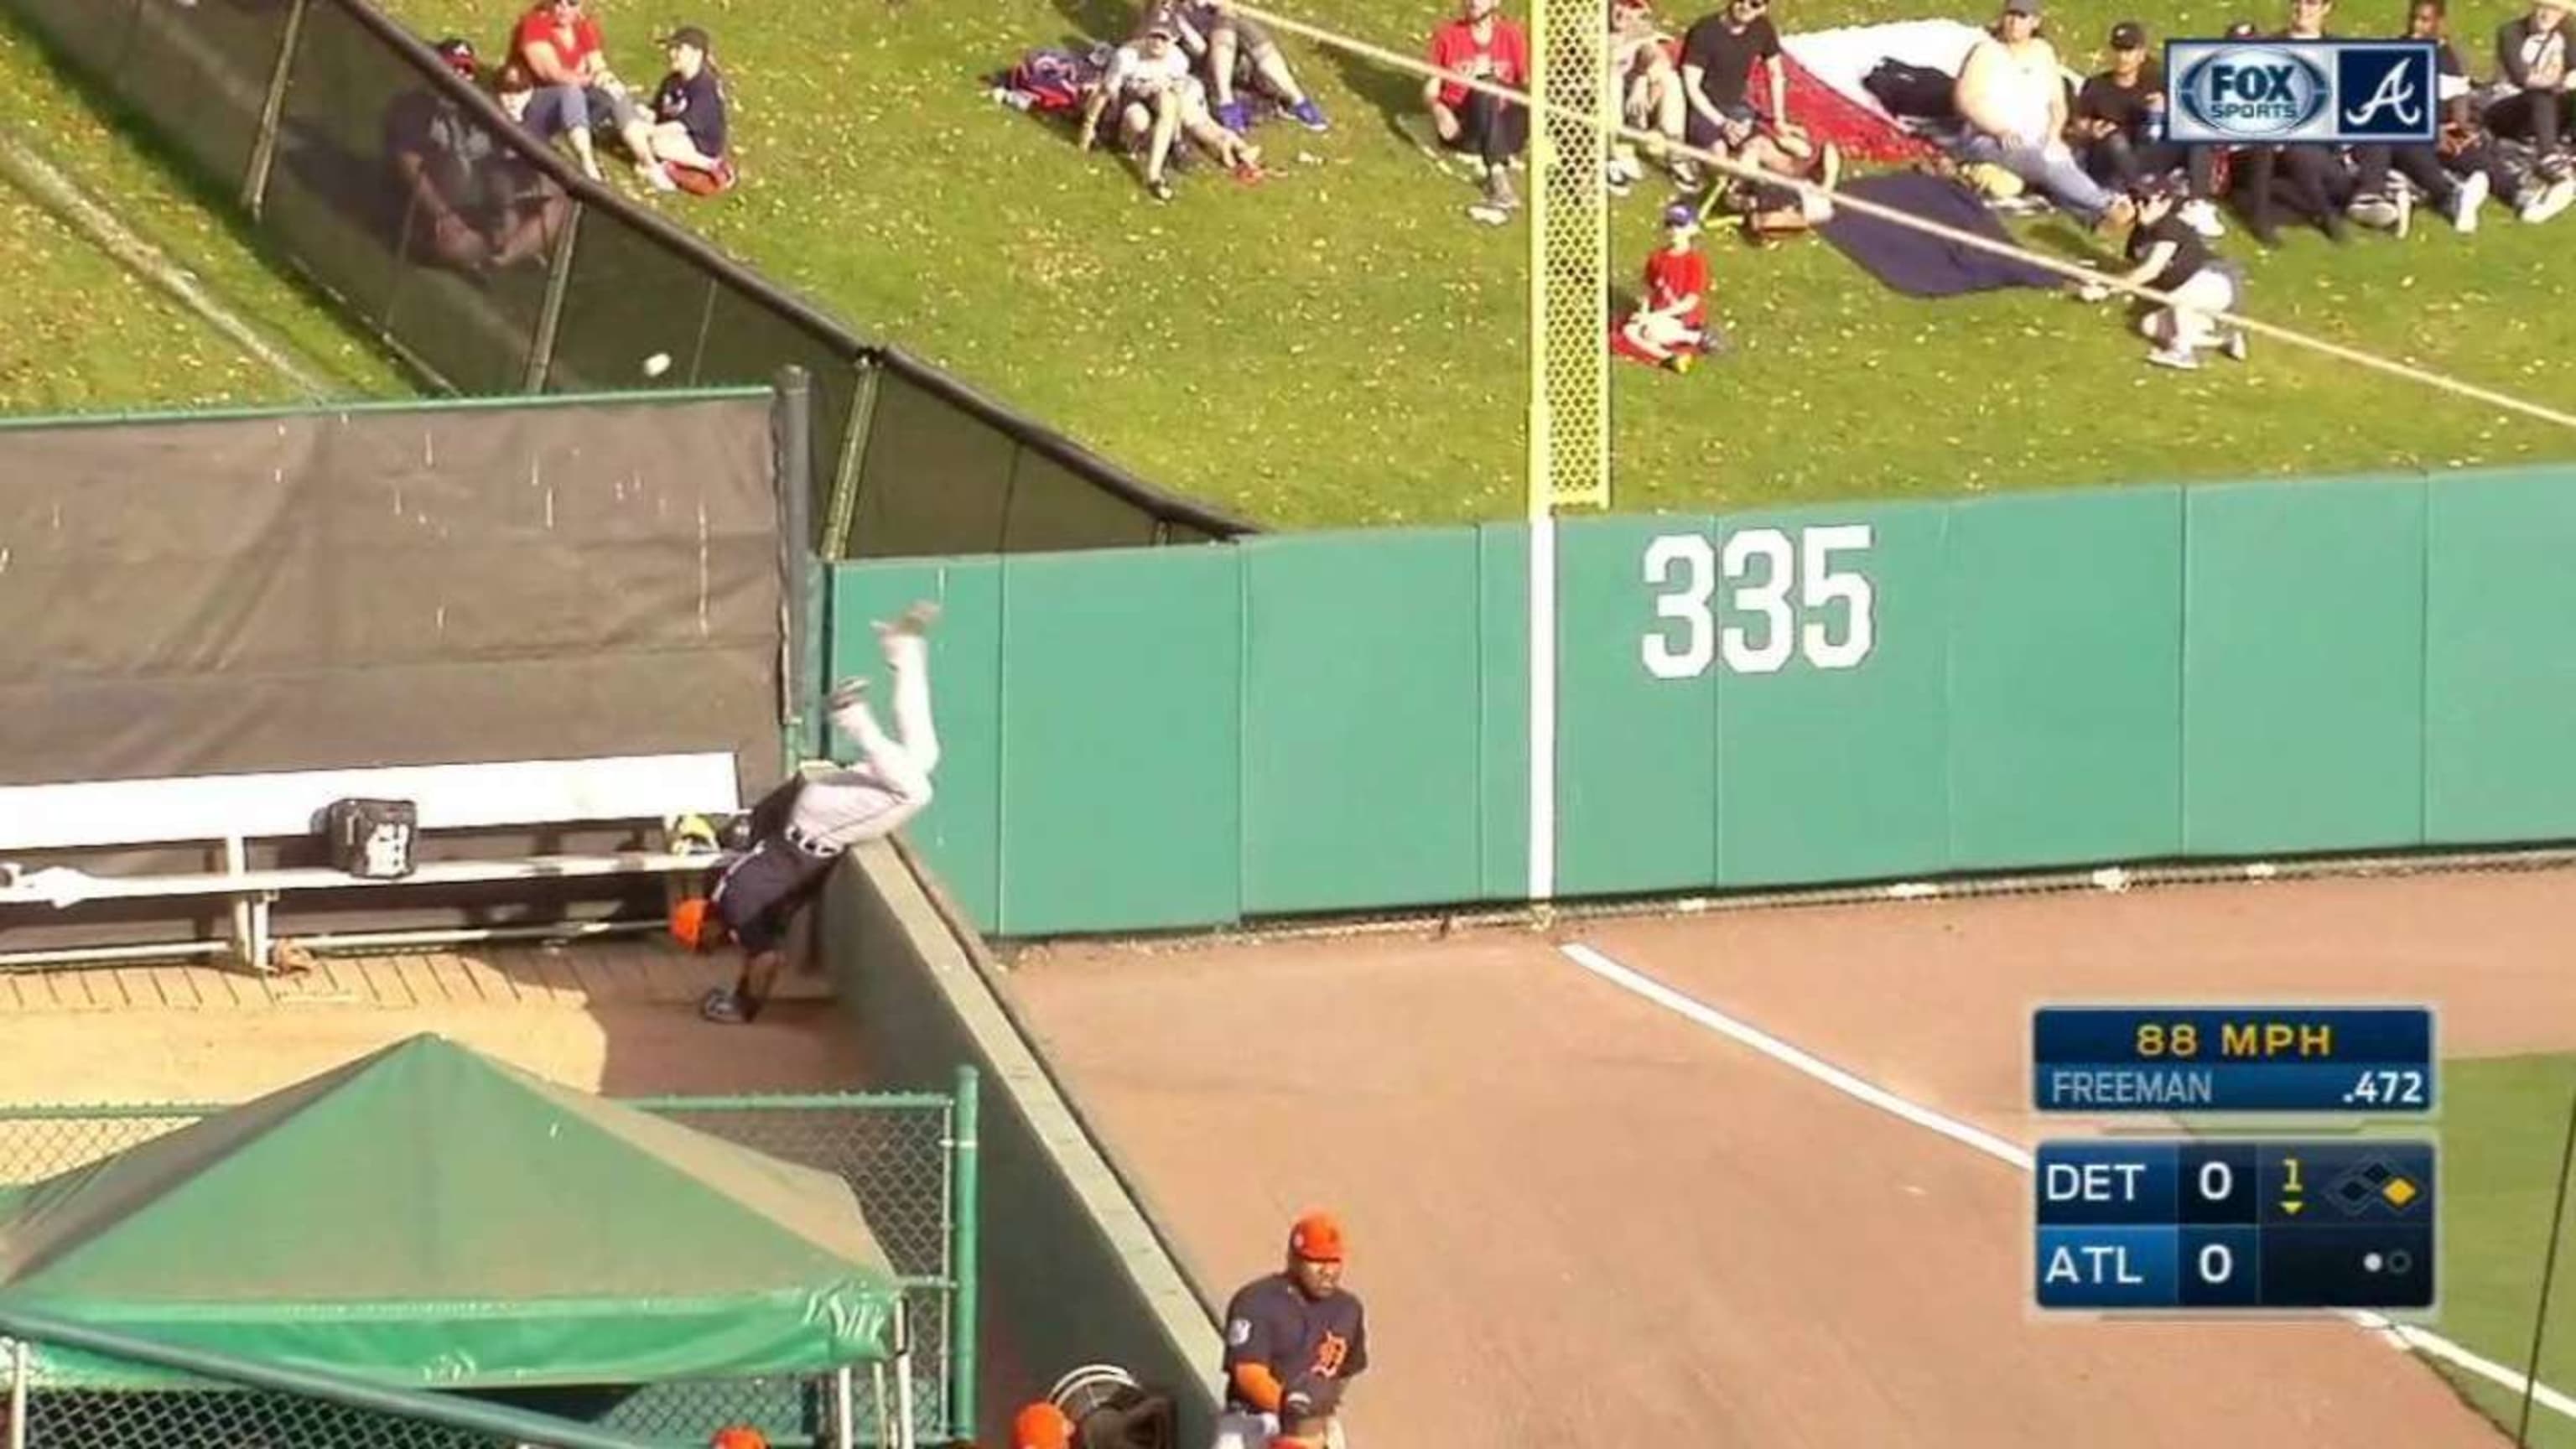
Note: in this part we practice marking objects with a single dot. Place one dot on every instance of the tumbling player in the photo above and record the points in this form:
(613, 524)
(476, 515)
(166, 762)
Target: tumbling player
(801, 829)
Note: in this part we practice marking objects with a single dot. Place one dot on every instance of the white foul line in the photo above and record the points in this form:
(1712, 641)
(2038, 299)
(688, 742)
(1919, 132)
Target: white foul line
(1703, 1014)
(1542, 708)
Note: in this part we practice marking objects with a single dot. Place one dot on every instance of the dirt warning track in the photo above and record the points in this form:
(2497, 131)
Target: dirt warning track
(1577, 1213)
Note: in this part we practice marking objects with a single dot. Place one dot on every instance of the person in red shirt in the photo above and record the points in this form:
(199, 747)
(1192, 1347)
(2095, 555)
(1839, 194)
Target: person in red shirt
(1482, 45)
(576, 93)
(1672, 325)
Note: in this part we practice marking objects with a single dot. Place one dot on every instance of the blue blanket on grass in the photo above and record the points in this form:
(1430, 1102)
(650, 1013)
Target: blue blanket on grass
(1917, 263)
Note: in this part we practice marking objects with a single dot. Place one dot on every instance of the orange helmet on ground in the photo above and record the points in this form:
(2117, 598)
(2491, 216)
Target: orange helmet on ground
(695, 924)
(739, 1436)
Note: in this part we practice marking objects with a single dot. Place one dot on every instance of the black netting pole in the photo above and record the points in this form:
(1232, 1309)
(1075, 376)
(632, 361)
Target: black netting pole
(2548, 1275)
(263, 151)
(801, 650)
(541, 351)
(840, 514)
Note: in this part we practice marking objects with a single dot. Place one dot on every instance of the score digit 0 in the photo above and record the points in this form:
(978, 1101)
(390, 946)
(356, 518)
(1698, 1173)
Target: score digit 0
(2217, 1181)
(2182, 1039)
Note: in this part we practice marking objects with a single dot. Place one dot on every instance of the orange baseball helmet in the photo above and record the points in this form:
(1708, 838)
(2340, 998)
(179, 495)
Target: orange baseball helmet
(1317, 1237)
(1041, 1426)
(739, 1436)
(695, 924)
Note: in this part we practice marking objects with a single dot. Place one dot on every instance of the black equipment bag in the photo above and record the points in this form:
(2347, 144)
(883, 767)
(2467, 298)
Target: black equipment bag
(372, 838)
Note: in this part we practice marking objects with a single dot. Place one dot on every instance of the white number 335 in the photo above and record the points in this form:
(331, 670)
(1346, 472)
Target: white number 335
(1830, 624)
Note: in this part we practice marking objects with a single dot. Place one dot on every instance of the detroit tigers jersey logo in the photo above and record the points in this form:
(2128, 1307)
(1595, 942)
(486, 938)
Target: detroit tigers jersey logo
(1239, 1332)
(1330, 1355)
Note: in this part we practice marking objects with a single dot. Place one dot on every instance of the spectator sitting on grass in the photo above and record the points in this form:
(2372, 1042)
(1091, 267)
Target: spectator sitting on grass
(1158, 100)
(575, 91)
(1235, 52)
(1769, 210)
(2173, 259)
(2309, 180)
(1481, 45)
(1672, 326)
(1718, 56)
(2466, 146)
(689, 116)
(2532, 100)
(2013, 98)
(2118, 130)
(2458, 196)
(1645, 67)
(467, 201)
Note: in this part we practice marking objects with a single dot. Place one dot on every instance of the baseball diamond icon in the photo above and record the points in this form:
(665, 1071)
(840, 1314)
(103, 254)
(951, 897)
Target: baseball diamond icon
(2355, 1191)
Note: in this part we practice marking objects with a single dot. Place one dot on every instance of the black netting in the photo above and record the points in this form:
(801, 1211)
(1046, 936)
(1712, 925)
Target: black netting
(631, 299)
(438, 232)
(203, 71)
(90, 33)
(458, 282)
(1054, 508)
(749, 338)
(934, 479)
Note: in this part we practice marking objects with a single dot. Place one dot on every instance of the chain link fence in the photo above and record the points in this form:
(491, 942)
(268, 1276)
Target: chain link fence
(900, 1154)
(477, 253)
(219, 1414)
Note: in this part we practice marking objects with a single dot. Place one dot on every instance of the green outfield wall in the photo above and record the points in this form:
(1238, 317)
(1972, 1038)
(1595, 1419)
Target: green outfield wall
(1148, 738)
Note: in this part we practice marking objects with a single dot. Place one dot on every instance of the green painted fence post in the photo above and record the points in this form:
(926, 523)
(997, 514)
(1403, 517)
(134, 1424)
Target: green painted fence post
(963, 1218)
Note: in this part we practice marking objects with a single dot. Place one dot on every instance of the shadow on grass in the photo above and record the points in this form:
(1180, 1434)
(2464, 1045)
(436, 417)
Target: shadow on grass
(1395, 95)
(219, 199)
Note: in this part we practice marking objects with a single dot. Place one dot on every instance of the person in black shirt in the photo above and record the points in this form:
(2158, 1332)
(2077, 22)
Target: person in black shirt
(2536, 82)
(2465, 146)
(2306, 180)
(1718, 56)
(2118, 130)
(2170, 257)
(689, 128)
(2458, 195)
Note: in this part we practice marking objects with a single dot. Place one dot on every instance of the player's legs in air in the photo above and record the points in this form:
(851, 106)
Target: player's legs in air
(802, 830)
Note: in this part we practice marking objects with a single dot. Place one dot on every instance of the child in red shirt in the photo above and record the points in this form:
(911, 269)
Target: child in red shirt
(1672, 327)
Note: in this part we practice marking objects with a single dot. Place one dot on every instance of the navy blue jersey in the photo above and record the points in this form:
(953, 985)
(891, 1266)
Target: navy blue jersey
(1309, 1346)
(697, 103)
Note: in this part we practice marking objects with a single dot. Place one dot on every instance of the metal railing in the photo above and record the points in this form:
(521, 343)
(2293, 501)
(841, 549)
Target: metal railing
(299, 109)
(908, 1157)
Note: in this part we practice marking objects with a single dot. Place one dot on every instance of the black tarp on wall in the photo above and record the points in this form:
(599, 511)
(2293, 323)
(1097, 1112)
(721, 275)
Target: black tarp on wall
(418, 586)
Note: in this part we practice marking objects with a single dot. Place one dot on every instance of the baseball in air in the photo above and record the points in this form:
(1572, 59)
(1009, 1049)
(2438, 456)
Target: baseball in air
(657, 364)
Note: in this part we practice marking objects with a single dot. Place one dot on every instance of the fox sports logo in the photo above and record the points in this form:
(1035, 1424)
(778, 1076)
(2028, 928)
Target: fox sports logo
(2254, 91)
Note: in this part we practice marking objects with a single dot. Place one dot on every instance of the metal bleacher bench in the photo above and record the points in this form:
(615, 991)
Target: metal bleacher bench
(226, 813)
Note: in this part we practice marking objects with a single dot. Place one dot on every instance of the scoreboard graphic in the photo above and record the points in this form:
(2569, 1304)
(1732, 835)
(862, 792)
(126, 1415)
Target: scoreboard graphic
(2229, 1221)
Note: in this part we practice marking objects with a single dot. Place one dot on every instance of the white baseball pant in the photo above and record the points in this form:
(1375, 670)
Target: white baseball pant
(1255, 1431)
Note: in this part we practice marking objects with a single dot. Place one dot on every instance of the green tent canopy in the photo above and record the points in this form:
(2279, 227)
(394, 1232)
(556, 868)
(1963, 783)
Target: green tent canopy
(432, 1218)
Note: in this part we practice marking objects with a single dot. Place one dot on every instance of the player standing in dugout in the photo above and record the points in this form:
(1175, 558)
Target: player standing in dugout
(1293, 1342)
(800, 830)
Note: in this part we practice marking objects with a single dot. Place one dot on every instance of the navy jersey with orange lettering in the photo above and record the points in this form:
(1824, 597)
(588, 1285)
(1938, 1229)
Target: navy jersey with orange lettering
(1304, 1343)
